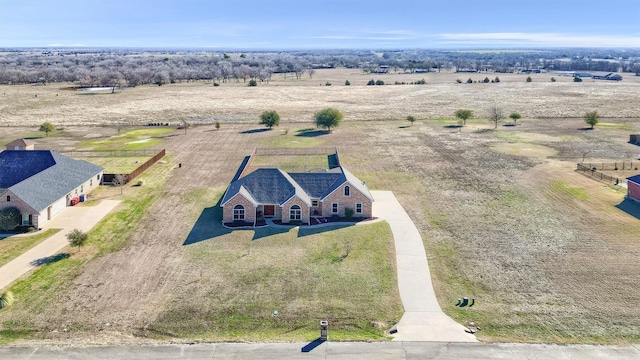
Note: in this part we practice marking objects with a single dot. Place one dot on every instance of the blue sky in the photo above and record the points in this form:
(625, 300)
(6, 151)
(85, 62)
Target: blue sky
(327, 24)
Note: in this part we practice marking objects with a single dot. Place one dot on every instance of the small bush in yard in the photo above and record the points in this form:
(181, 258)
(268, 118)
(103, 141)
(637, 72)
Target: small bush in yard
(348, 213)
(6, 299)
(77, 238)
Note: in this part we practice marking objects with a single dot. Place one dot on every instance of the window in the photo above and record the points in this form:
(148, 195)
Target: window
(98, 177)
(347, 191)
(358, 208)
(91, 182)
(334, 208)
(8, 198)
(238, 212)
(314, 202)
(295, 213)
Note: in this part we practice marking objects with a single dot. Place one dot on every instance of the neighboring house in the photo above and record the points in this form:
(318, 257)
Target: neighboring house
(41, 183)
(295, 197)
(633, 187)
(20, 144)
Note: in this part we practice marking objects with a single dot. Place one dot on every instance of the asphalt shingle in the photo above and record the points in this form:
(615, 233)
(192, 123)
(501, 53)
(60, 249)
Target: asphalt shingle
(51, 175)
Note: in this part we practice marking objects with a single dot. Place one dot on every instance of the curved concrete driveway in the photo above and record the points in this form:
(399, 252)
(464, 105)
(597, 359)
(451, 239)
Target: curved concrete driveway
(423, 319)
(78, 217)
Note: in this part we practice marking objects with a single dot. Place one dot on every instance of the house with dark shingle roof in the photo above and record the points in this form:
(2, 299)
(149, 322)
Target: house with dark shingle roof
(633, 187)
(42, 183)
(295, 197)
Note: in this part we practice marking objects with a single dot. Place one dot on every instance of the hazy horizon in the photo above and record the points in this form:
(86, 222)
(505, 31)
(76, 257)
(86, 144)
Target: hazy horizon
(315, 25)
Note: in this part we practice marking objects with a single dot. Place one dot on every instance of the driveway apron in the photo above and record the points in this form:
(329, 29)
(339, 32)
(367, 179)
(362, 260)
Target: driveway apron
(423, 319)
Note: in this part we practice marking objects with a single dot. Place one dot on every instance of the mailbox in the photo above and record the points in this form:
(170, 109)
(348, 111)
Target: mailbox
(324, 329)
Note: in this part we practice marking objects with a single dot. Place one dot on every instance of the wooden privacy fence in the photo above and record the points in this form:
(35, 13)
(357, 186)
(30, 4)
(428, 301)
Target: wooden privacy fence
(108, 178)
(594, 173)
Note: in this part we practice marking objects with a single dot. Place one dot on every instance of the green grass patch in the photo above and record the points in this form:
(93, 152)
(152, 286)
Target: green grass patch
(292, 163)
(608, 125)
(345, 275)
(136, 139)
(509, 136)
(14, 246)
(118, 164)
(301, 138)
(9, 336)
(575, 192)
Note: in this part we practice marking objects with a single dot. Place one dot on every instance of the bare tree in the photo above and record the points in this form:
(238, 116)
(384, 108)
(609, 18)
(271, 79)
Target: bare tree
(495, 114)
(311, 72)
(119, 180)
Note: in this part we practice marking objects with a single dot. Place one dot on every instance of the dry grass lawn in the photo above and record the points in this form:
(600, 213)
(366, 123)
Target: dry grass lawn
(297, 100)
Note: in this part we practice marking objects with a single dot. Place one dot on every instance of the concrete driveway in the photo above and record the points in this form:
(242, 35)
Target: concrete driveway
(78, 217)
(423, 319)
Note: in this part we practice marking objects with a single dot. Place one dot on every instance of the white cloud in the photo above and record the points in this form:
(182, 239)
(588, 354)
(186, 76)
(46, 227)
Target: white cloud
(540, 39)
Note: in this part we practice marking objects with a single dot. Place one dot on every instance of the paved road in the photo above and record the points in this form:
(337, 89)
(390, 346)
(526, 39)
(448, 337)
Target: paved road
(327, 350)
(78, 217)
(423, 319)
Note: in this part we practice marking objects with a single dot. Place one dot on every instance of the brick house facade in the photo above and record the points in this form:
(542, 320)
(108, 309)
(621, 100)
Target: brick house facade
(295, 197)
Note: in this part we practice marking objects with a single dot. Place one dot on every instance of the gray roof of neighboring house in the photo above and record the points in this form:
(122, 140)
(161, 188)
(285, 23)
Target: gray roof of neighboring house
(274, 186)
(44, 176)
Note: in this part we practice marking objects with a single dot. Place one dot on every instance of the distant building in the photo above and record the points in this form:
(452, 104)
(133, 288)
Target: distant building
(20, 144)
(609, 76)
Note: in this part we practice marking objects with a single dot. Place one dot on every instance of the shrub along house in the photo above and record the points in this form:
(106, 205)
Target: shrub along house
(295, 197)
(42, 183)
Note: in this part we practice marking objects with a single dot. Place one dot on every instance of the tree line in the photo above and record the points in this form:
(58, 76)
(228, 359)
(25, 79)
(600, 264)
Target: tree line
(102, 67)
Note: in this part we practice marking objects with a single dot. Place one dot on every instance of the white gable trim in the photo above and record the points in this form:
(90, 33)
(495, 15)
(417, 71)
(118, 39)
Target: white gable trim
(240, 192)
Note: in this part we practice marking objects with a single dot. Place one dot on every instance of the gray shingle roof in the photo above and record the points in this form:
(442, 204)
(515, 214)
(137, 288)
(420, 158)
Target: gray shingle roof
(46, 184)
(316, 184)
(274, 186)
(634, 179)
(19, 165)
(266, 186)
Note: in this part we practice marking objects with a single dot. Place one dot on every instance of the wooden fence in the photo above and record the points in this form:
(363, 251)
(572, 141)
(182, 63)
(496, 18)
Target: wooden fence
(594, 173)
(615, 166)
(108, 178)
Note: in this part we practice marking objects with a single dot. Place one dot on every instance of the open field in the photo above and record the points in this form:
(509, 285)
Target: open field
(549, 255)
(297, 100)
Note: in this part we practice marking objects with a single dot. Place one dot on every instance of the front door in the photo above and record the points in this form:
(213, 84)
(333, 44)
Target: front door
(269, 210)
